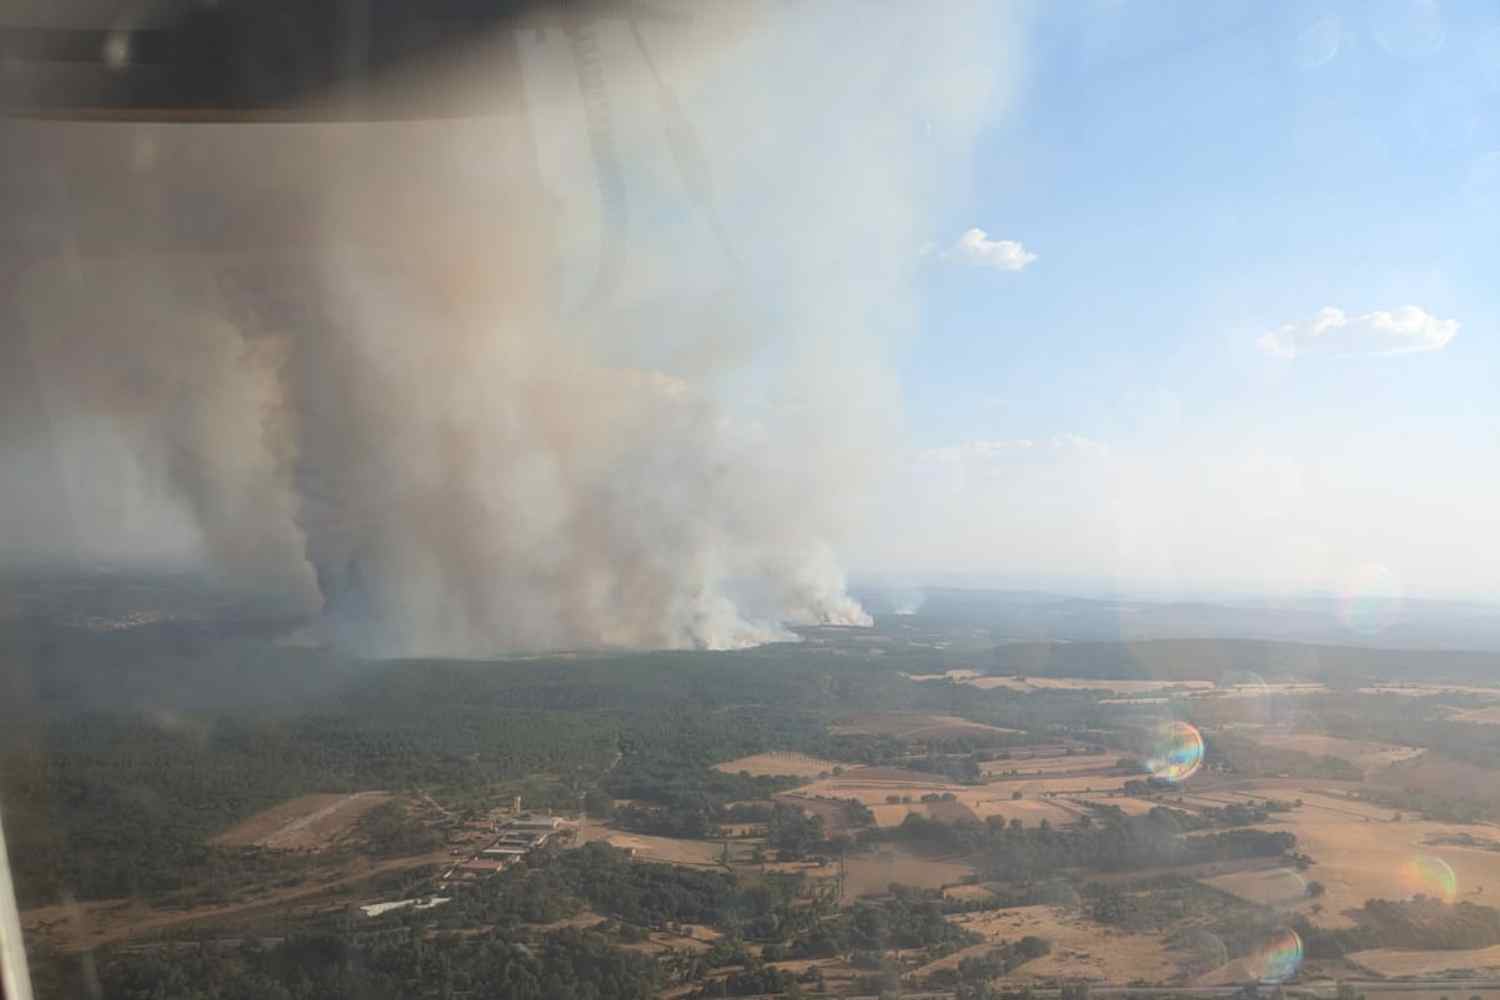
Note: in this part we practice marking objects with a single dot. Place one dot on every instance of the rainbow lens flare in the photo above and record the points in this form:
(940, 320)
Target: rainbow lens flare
(1370, 600)
(1278, 958)
(1283, 887)
(1428, 876)
(1176, 752)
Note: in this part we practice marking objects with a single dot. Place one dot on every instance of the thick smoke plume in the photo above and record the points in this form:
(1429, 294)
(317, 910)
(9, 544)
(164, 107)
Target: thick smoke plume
(439, 384)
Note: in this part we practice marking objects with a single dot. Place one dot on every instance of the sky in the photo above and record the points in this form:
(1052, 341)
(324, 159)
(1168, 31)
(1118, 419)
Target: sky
(1217, 310)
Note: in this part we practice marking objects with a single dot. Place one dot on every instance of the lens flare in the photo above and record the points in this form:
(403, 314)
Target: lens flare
(1205, 949)
(1278, 958)
(1283, 887)
(1177, 752)
(1370, 600)
(1428, 876)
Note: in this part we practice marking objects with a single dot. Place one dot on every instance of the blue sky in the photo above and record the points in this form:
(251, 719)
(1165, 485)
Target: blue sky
(1189, 178)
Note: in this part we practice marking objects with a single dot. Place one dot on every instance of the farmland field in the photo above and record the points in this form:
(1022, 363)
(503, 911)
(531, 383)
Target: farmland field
(1361, 853)
(1489, 715)
(648, 848)
(913, 726)
(1362, 754)
(1059, 764)
(1399, 962)
(798, 765)
(872, 874)
(1081, 948)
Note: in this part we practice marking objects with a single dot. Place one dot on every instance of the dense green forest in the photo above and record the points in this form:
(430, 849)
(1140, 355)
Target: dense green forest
(564, 965)
(1011, 852)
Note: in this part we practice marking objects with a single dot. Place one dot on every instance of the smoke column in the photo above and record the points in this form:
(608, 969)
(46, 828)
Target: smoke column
(374, 368)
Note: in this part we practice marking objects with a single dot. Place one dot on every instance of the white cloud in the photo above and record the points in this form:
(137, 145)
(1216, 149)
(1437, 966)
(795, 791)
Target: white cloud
(975, 247)
(1078, 444)
(1406, 330)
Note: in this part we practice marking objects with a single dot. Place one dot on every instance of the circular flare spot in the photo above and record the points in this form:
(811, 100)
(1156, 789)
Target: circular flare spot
(1278, 958)
(1370, 600)
(1176, 752)
(1428, 876)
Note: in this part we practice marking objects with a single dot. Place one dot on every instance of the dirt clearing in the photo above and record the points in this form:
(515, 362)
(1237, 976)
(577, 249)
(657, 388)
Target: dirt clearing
(308, 822)
(798, 765)
(647, 848)
(913, 726)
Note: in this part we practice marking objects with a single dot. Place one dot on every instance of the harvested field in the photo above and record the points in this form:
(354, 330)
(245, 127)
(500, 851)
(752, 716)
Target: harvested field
(951, 812)
(1036, 785)
(968, 892)
(872, 874)
(969, 801)
(1081, 763)
(798, 765)
(1364, 755)
(1434, 772)
(1086, 684)
(1489, 716)
(648, 848)
(1283, 888)
(1030, 812)
(1358, 857)
(1418, 690)
(1395, 962)
(1081, 948)
(892, 814)
(913, 726)
(872, 786)
(695, 938)
(308, 822)
(1127, 804)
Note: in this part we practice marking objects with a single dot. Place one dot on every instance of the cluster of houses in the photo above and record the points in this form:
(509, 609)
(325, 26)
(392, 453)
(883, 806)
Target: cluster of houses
(515, 839)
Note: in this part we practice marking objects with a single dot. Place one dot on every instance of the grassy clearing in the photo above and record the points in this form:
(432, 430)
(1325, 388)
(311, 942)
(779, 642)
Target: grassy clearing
(308, 822)
(797, 765)
(1081, 948)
